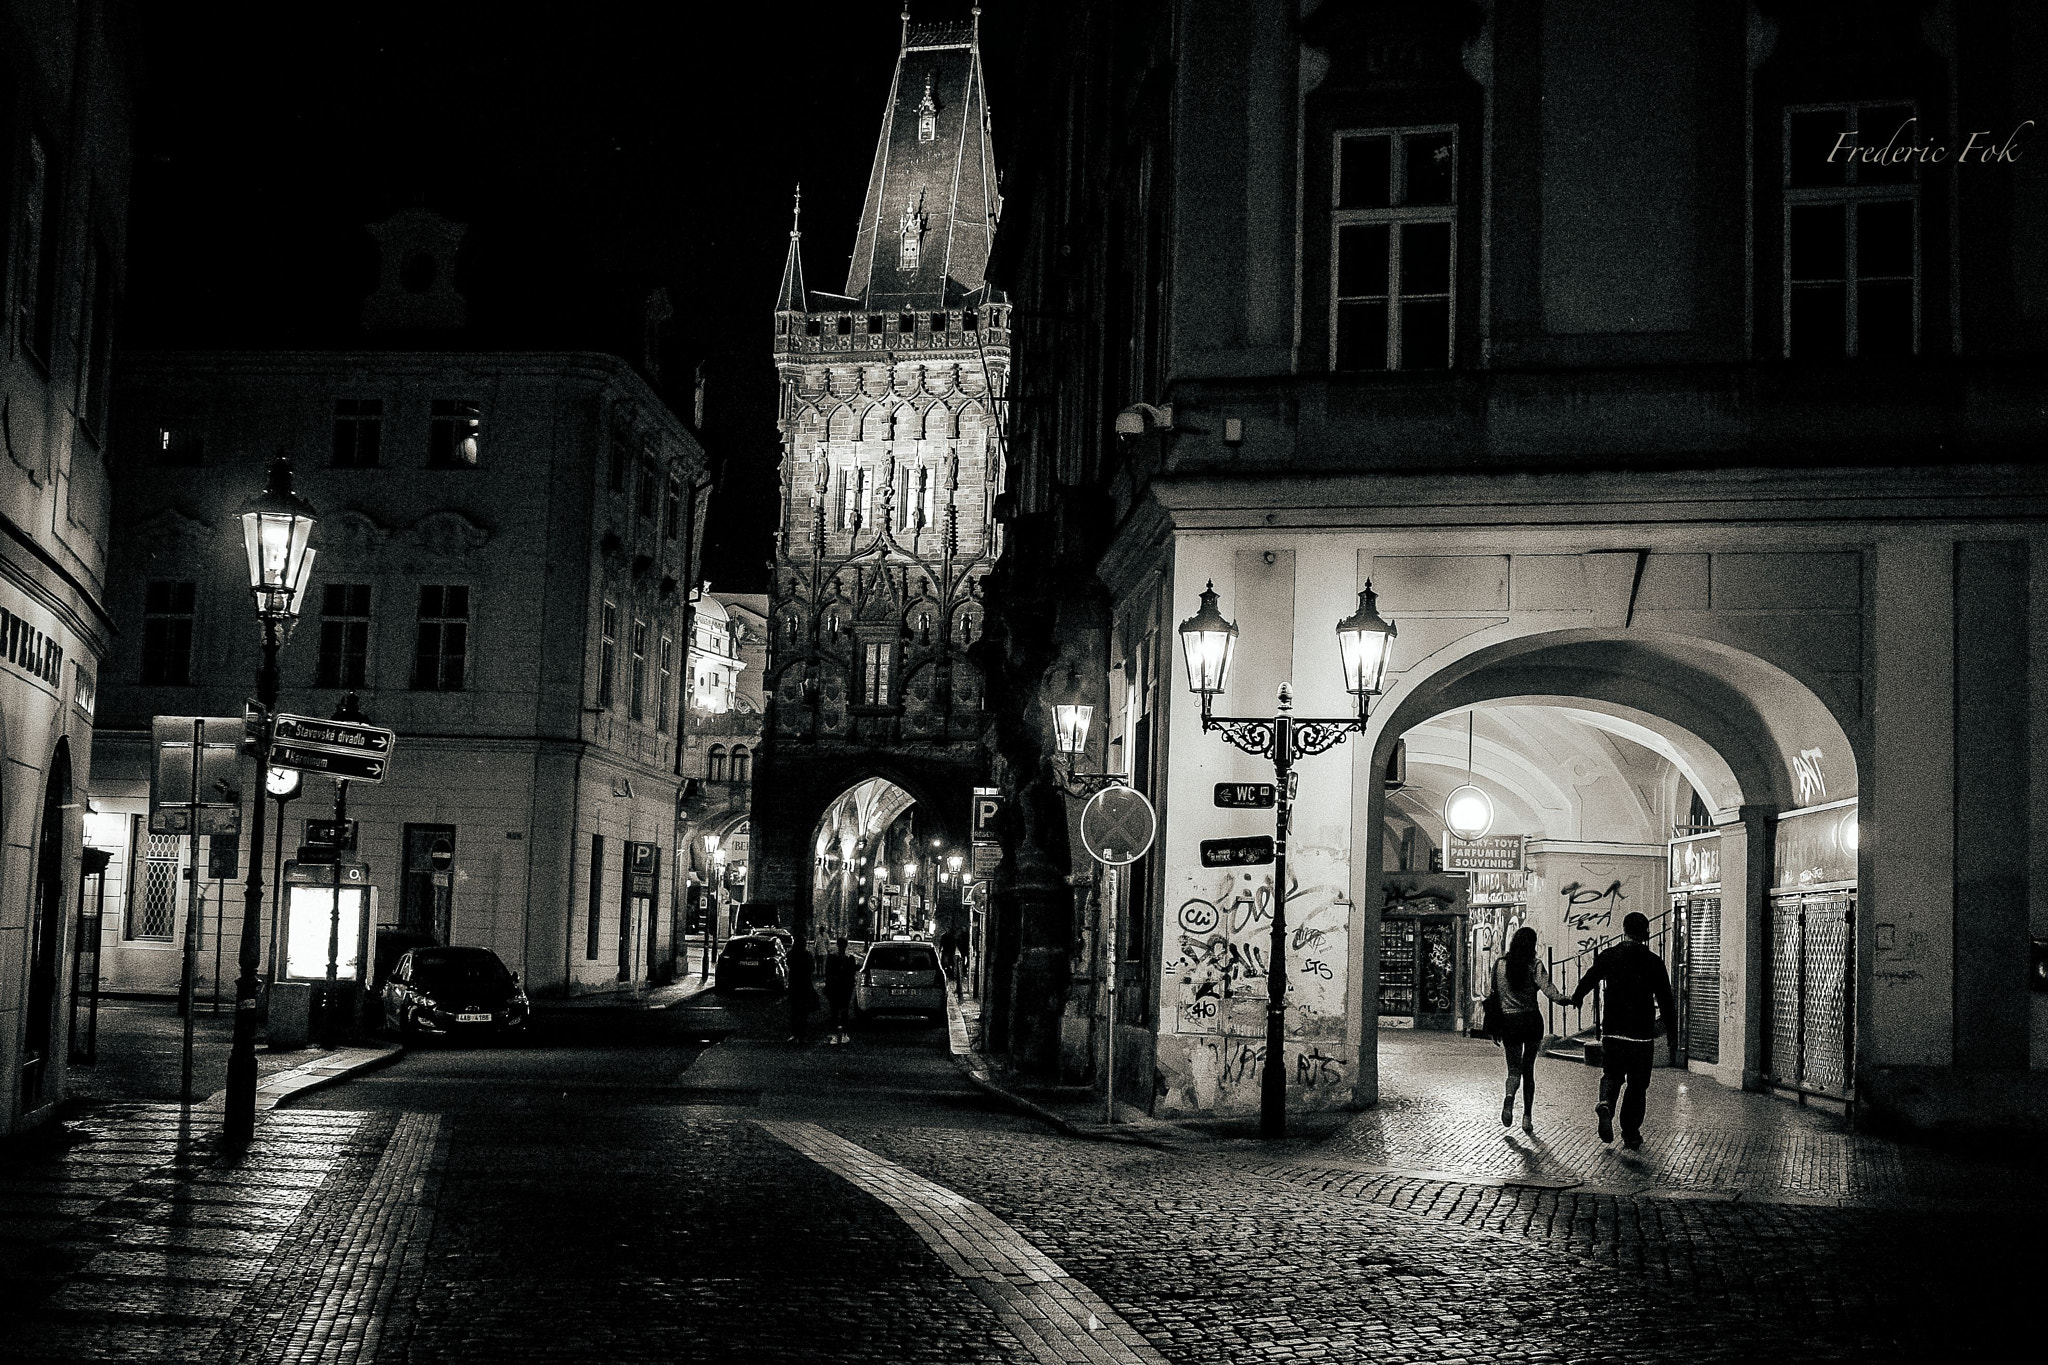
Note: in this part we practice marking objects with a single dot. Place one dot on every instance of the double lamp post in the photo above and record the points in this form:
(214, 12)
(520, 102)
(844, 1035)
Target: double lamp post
(1365, 642)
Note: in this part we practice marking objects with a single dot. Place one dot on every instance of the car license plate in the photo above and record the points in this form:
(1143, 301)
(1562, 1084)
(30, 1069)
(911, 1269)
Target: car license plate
(900, 990)
(472, 1018)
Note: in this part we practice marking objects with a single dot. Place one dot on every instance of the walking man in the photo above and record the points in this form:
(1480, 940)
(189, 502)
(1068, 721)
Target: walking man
(840, 969)
(803, 994)
(1638, 990)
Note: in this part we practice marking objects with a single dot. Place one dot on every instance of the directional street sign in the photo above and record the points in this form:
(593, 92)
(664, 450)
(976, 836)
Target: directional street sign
(307, 758)
(1245, 795)
(341, 735)
(1251, 851)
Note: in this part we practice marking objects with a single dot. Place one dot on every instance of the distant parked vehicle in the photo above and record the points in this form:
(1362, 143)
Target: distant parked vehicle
(454, 992)
(900, 977)
(752, 960)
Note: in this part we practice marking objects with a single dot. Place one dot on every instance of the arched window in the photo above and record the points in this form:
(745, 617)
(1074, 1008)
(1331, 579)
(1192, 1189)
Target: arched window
(742, 764)
(717, 770)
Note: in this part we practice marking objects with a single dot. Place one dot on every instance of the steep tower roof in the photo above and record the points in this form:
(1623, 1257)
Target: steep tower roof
(791, 298)
(931, 209)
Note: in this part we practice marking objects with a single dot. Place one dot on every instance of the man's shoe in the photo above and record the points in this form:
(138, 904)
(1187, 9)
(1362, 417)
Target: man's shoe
(1632, 1141)
(1606, 1113)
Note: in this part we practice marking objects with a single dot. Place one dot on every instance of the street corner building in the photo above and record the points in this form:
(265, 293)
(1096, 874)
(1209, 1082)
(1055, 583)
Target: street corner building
(723, 719)
(1672, 376)
(504, 553)
(889, 409)
(65, 121)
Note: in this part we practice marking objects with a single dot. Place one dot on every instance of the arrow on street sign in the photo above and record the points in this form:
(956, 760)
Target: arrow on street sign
(1249, 851)
(1245, 795)
(356, 767)
(342, 735)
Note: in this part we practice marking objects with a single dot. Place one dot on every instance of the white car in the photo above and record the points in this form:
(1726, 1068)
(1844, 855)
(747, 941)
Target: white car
(901, 978)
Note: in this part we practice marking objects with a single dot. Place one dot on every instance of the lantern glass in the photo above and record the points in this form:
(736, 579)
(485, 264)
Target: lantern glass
(1070, 728)
(1468, 812)
(1207, 640)
(277, 535)
(1365, 642)
(711, 843)
(953, 862)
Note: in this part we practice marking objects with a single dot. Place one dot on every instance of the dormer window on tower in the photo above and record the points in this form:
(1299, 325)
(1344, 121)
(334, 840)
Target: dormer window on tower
(912, 229)
(927, 114)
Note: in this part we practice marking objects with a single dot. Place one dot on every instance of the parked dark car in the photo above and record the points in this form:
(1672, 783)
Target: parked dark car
(454, 992)
(752, 960)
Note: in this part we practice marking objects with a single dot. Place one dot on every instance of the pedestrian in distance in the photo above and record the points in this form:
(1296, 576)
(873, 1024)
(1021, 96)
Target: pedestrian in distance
(949, 958)
(1519, 979)
(1638, 995)
(803, 992)
(840, 969)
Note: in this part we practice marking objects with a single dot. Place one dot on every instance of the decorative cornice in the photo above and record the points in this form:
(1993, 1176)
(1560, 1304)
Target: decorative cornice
(449, 533)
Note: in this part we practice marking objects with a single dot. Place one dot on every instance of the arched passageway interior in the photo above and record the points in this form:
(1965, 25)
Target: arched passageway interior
(1614, 773)
(881, 865)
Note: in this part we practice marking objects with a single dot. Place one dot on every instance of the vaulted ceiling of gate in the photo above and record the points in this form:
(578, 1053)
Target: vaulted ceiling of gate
(1553, 771)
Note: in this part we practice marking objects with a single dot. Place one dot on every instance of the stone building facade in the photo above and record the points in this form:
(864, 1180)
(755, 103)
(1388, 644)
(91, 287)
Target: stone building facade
(66, 115)
(891, 397)
(1694, 459)
(723, 719)
(505, 545)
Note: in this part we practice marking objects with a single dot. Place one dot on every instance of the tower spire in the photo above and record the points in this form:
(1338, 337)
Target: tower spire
(792, 297)
(905, 44)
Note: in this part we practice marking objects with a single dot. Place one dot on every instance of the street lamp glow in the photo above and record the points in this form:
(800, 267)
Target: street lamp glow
(277, 534)
(1365, 640)
(1207, 640)
(954, 862)
(1070, 729)
(1468, 812)
(909, 871)
(711, 842)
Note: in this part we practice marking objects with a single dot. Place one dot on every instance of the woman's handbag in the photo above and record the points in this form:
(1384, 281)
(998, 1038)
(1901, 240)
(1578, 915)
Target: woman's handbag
(1491, 1017)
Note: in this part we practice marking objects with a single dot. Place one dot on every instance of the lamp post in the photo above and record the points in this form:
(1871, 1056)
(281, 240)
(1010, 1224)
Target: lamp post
(277, 532)
(1365, 641)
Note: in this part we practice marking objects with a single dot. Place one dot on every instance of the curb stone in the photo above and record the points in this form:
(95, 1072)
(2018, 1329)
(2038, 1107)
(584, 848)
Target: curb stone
(281, 1087)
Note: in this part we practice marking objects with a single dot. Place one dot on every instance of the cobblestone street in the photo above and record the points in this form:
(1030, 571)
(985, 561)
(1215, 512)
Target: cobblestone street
(679, 1183)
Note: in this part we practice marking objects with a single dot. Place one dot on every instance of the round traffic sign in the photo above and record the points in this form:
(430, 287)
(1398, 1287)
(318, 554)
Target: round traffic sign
(443, 854)
(1118, 825)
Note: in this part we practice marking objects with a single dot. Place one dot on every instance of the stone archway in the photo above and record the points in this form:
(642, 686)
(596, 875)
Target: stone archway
(1749, 738)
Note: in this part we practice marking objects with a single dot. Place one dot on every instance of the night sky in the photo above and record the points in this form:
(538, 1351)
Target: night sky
(596, 157)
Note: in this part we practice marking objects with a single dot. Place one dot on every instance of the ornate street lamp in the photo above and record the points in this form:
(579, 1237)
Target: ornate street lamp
(1364, 643)
(277, 532)
(1070, 740)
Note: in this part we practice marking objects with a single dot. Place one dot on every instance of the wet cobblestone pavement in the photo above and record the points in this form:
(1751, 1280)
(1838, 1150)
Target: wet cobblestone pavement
(648, 1192)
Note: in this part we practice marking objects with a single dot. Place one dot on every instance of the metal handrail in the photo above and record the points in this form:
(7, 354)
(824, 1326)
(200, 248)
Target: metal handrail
(1566, 973)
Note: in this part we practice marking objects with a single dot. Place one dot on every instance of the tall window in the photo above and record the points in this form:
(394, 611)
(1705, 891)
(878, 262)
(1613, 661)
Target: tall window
(1852, 232)
(672, 516)
(441, 652)
(358, 432)
(41, 217)
(153, 904)
(1393, 243)
(167, 611)
(607, 654)
(742, 764)
(666, 681)
(453, 436)
(636, 704)
(621, 454)
(96, 337)
(650, 482)
(874, 681)
(344, 634)
(596, 896)
(715, 769)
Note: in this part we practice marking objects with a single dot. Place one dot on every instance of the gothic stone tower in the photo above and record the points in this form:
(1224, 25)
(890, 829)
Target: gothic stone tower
(890, 466)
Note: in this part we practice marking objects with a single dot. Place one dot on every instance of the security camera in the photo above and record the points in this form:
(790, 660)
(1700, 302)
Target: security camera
(1140, 419)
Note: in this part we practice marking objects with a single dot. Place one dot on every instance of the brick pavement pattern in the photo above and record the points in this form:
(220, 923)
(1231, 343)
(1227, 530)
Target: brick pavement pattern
(1059, 1320)
(1231, 1257)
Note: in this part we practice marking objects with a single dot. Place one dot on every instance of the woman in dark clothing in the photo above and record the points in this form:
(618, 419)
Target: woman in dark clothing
(1518, 978)
(803, 993)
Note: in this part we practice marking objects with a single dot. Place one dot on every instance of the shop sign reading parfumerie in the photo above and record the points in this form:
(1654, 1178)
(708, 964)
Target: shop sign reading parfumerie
(1494, 853)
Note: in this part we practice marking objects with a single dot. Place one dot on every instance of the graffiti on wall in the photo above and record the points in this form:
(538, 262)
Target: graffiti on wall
(1225, 948)
(1590, 911)
(1222, 1073)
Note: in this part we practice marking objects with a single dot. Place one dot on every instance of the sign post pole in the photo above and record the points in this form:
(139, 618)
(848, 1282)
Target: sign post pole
(189, 987)
(1109, 992)
(1117, 827)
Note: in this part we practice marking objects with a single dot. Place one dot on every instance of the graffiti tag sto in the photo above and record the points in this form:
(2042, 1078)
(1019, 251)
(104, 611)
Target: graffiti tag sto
(1224, 947)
